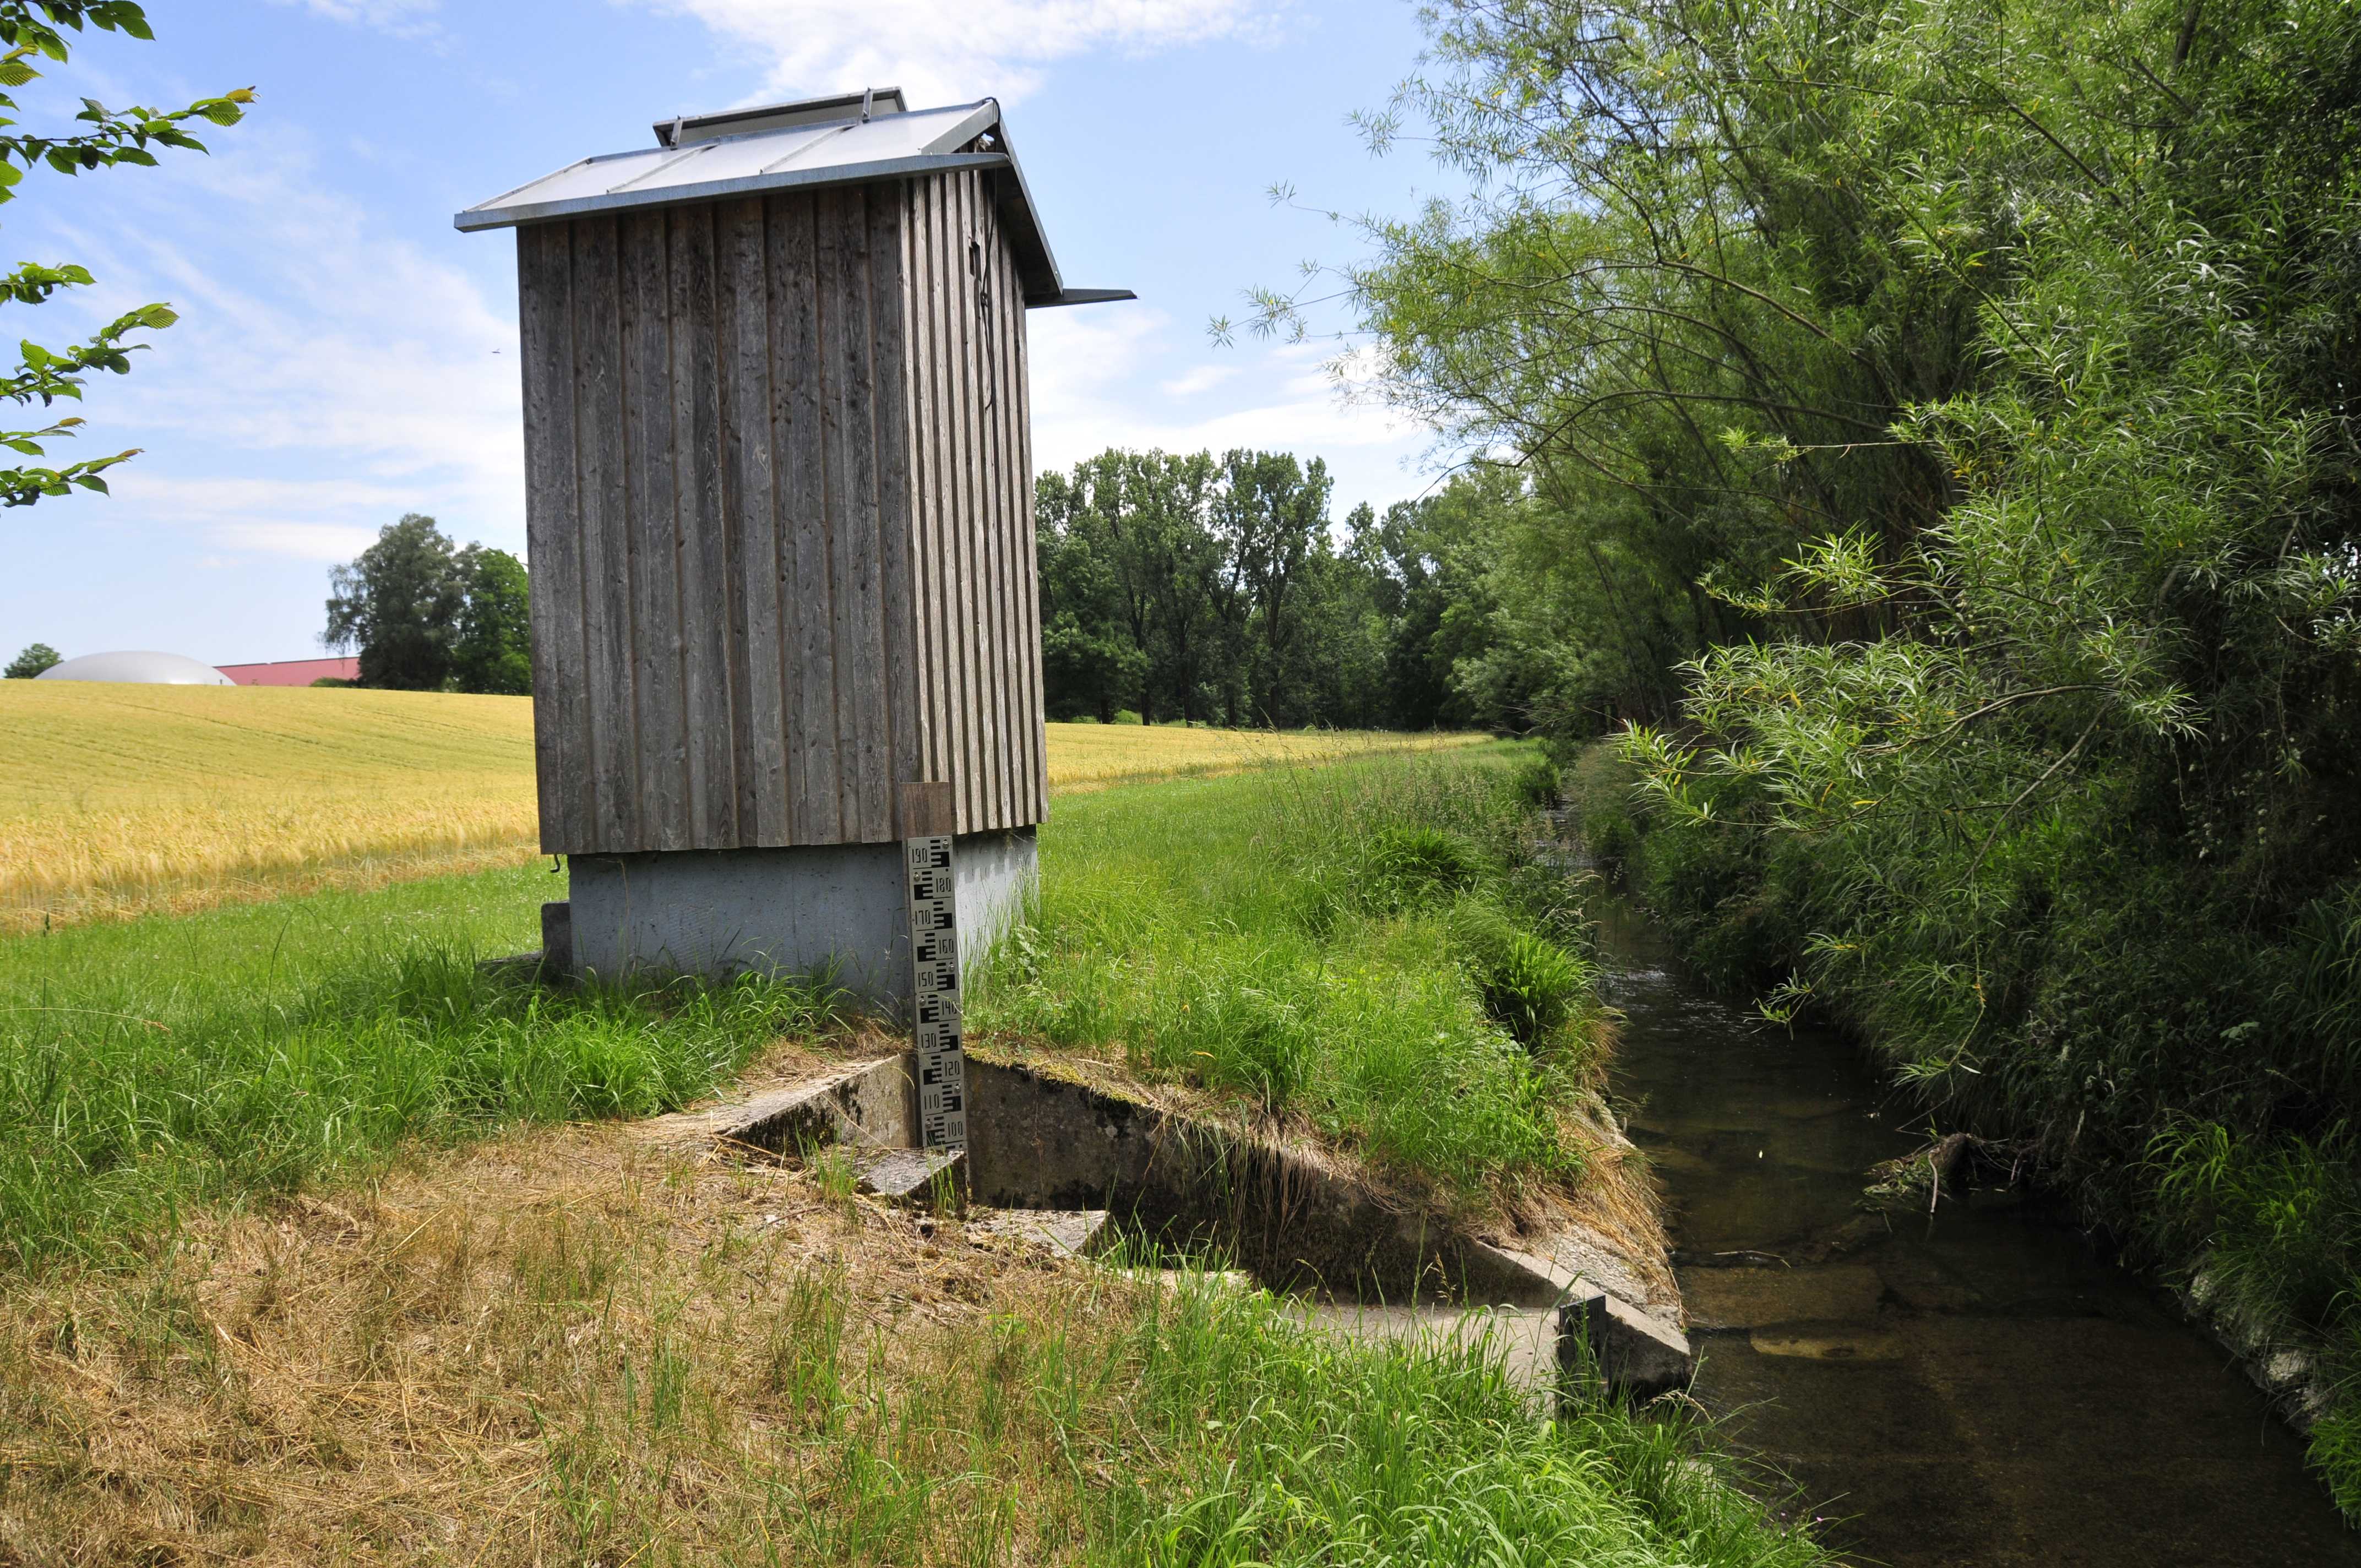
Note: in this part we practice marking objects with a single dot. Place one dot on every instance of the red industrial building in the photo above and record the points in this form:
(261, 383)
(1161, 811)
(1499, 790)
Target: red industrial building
(292, 672)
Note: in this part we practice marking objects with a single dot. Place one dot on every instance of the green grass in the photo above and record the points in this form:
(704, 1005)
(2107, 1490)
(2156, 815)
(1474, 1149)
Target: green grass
(1222, 927)
(153, 1067)
(1366, 945)
(1269, 1445)
(1233, 931)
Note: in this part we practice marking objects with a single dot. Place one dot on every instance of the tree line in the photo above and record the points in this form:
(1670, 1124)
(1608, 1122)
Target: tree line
(1220, 590)
(1937, 447)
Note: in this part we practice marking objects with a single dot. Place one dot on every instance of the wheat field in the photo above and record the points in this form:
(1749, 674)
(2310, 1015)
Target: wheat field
(119, 801)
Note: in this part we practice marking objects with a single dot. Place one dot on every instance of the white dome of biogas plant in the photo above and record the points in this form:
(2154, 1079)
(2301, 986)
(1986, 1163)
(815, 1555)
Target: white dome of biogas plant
(143, 669)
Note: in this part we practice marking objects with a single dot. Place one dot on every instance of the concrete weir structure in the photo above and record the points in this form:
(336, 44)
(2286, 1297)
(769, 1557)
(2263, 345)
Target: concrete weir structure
(779, 503)
(1295, 1218)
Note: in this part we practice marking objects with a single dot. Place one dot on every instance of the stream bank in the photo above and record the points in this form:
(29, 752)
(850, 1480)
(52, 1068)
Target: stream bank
(1977, 1385)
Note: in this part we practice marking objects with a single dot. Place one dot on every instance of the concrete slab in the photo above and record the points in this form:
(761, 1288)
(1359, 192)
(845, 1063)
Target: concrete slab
(1077, 1233)
(1525, 1339)
(870, 1105)
(922, 1179)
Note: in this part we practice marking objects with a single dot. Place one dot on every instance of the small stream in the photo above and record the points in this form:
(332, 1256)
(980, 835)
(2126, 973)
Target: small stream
(1974, 1388)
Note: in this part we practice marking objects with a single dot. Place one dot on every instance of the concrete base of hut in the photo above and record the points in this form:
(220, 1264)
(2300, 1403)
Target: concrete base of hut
(837, 907)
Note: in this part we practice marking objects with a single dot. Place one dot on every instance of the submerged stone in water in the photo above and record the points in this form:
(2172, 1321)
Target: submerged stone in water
(1758, 1298)
(1827, 1347)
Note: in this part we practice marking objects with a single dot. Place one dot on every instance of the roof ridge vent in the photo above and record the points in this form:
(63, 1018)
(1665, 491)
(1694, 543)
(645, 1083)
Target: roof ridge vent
(860, 108)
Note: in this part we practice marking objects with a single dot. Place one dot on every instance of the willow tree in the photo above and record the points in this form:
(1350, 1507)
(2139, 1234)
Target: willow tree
(104, 138)
(1964, 396)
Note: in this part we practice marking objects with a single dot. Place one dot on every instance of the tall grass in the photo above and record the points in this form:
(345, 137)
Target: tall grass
(1364, 945)
(149, 1070)
(1271, 1445)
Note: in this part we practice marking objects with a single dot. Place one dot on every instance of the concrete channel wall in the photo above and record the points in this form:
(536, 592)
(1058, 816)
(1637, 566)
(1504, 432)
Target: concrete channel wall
(1041, 1142)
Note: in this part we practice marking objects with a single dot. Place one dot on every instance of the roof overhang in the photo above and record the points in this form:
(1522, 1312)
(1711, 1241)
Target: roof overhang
(854, 139)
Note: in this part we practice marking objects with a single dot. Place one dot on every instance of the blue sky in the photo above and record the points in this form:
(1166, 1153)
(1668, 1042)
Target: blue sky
(345, 356)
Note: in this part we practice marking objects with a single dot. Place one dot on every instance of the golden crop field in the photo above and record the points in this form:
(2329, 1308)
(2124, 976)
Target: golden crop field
(124, 800)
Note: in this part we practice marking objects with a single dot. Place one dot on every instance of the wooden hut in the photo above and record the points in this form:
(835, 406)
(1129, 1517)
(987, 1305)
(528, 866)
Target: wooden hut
(779, 506)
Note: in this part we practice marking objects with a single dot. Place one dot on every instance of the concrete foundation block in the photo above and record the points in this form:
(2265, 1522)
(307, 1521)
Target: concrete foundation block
(836, 909)
(557, 939)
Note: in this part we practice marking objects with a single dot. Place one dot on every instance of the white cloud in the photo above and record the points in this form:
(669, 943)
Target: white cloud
(952, 50)
(302, 541)
(404, 18)
(1198, 378)
(1093, 387)
(325, 370)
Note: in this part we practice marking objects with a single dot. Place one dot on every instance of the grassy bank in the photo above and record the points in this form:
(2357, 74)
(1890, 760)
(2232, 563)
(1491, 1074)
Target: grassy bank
(118, 801)
(302, 1267)
(575, 1348)
(1360, 949)
(2089, 1003)
(1368, 951)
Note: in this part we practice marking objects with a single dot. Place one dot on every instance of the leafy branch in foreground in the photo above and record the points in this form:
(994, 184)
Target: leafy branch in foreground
(29, 28)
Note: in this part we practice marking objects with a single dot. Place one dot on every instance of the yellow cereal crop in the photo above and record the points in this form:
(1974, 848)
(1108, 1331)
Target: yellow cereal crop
(122, 800)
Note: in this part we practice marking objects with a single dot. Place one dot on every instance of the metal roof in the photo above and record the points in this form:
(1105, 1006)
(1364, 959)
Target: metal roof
(844, 140)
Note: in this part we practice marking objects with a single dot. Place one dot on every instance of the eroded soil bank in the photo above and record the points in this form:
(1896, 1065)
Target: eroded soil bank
(1976, 1385)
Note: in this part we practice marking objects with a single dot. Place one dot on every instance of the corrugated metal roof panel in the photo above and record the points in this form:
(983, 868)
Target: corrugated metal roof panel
(887, 144)
(842, 152)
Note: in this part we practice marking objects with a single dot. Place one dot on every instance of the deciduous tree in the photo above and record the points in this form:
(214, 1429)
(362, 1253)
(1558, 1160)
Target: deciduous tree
(38, 28)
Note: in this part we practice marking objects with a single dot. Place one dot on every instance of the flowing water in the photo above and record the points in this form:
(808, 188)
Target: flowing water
(1974, 1388)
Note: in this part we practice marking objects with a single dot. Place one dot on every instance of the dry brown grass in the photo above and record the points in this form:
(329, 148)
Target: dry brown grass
(570, 1346)
(597, 1343)
(119, 801)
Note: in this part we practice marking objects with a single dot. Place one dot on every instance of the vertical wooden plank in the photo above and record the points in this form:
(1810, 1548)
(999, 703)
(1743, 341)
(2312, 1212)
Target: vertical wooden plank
(815, 803)
(862, 725)
(1032, 568)
(705, 602)
(967, 467)
(943, 575)
(657, 633)
(1016, 708)
(561, 705)
(750, 500)
(889, 356)
(1016, 484)
(917, 334)
(991, 591)
(600, 489)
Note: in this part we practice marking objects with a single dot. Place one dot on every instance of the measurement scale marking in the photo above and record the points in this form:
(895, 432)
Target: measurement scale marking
(935, 993)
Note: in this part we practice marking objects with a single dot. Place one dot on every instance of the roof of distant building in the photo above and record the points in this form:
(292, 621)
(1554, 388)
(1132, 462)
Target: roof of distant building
(294, 671)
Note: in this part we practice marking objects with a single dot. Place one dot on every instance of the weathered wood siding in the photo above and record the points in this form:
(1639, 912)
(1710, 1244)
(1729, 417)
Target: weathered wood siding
(779, 503)
(980, 696)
